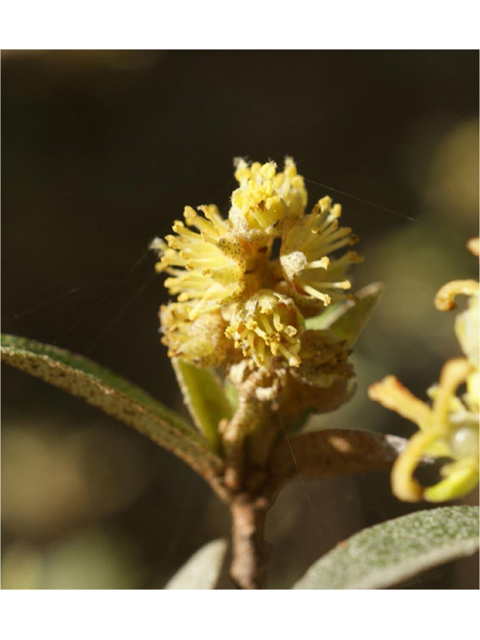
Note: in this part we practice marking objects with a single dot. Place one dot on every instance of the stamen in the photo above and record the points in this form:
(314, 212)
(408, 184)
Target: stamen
(325, 298)
(319, 264)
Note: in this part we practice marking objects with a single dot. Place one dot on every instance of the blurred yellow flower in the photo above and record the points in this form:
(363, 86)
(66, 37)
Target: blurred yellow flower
(467, 322)
(449, 428)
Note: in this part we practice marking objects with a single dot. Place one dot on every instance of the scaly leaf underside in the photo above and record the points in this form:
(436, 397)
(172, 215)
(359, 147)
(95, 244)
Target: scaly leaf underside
(332, 452)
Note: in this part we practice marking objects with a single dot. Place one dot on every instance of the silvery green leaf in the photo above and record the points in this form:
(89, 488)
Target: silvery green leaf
(389, 553)
(202, 570)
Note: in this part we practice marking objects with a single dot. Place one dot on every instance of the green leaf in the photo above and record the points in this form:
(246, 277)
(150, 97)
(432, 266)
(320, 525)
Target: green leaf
(202, 570)
(115, 396)
(347, 319)
(389, 553)
(324, 319)
(232, 394)
(205, 398)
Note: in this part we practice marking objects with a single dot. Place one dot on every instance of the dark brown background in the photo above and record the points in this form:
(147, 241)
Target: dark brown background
(101, 151)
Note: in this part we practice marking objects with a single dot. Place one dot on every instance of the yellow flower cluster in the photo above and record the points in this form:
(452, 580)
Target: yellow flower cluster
(449, 427)
(235, 299)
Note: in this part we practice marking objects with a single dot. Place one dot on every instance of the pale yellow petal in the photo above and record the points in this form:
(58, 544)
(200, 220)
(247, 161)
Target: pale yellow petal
(445, 298)
(393, 395)
(462, 477)
(404, 485)
(453, 374)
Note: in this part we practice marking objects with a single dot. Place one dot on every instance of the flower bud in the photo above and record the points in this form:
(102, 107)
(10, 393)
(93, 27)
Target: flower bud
(267, 324)
(323, 360)
(266, 200)
(201, 342)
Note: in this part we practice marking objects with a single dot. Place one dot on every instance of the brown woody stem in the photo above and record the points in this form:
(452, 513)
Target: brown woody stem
(250, 551)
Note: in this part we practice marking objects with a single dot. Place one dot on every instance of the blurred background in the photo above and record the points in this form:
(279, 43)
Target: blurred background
(101, 151)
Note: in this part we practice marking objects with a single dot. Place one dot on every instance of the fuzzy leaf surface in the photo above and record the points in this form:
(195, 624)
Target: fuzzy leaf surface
(331, 452)
(389, 553)
(202, 570)
(114, 395)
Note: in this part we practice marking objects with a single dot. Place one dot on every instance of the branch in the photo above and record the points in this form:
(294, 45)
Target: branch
(250, 551)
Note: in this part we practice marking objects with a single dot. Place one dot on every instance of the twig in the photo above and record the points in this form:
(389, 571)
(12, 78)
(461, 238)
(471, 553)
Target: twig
(250, 551)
